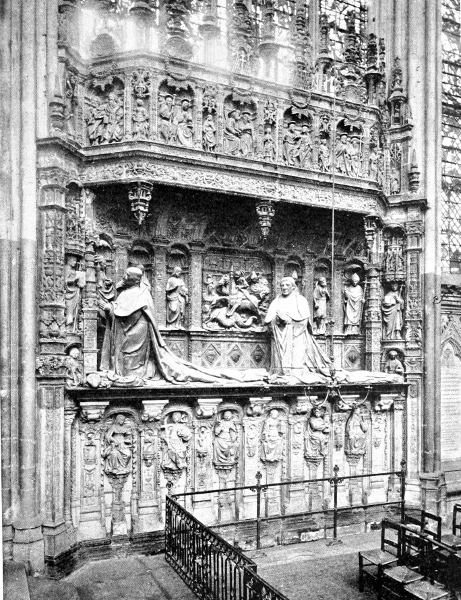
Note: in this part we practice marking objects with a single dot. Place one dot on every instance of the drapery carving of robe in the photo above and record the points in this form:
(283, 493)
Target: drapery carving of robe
(118, 448)
(353, 299)
(137, 350)
(225, 443)
(272, 439)
(177, 296)
(176, 437)
(391, 307)
(317, 435)
(295, 352)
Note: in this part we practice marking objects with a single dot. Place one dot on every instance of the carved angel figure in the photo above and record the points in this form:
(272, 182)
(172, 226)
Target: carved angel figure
(321, 298)
(140, 121)
(356, 433)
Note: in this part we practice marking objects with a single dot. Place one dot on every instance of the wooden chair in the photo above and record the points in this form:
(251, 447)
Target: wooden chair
(437, 566)
(394, 579)
(453, 539)
(372, 562)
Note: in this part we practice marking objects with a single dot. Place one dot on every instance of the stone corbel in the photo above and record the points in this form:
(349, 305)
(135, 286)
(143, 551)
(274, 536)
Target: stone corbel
(384, 402)
(92, 412)
(207, 407)
(152, 409)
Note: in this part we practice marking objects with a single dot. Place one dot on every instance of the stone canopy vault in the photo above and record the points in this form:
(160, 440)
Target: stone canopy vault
(209, 151)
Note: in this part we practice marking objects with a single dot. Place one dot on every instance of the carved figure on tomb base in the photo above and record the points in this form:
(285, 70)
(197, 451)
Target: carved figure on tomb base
(226, 444)
(268, 144)
(232, 133)
(140, 121)
(356, 434)
(353, 306)
(290, 144)
(272, 438)
(176, 437)
(295, 353)
(321, 298)
(394, 364)
(324, 156)
(209, 134)
(177, 297)
(166, 112)
(392, 309)
(317, 434)
(74, 374)
(74, 282)
(118, 447)
(182, 121)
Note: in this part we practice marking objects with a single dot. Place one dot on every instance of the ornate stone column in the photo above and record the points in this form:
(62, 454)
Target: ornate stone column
(196, 285)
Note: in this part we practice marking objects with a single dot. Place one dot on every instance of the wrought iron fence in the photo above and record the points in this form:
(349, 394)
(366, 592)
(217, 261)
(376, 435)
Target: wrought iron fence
(209, 565)
(335, 480)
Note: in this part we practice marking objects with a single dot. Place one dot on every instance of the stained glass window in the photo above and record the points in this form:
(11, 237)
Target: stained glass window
(451, 136)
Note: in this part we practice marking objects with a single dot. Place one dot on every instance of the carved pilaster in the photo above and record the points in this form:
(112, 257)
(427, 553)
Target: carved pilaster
(90, 306)
(196, 265)
(373, 322)
(159, 287)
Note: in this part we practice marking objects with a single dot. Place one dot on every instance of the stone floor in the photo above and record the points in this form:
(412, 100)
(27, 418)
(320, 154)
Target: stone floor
(309, 570)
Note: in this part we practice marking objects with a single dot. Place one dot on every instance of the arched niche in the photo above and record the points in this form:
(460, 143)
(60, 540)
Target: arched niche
(141, 254)
(349, 148)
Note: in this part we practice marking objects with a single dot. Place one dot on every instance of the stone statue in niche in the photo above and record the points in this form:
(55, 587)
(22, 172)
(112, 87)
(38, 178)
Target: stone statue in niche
(304, 151)
(324, 156)
(226, 442)
(140, 127)
(321, 298)
(118, 447)
(317, 434)
(373, 163)
(295, 353)
(176, 436)
(356, 433)
(209, 134)
(106, 293)
(392, 309)
(355, 157)
(290, 144)
(177, 296)
(246, 134)
(74, 374)
(342, 155)
(268, 144)
(74, 281)
(272, 438)
(166, 113)
(183, 126)
(232, 132)
(105, 120)
(394, 364)
(237, 301)
(353, 306)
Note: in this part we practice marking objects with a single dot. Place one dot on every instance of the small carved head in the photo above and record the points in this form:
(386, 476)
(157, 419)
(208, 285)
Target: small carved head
(177, 271)
(287, 285)
(322, 281)
(227, 416)
(274, 413)
(176, 417)
(355, 279)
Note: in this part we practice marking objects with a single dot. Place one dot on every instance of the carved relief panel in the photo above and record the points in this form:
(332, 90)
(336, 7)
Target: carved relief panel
(236, 292)
(105, 112)
(176, 114)
(239, 129)
(297, 138)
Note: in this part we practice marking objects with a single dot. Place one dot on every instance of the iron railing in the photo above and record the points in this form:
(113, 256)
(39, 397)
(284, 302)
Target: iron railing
(210, 566)
(335, 481)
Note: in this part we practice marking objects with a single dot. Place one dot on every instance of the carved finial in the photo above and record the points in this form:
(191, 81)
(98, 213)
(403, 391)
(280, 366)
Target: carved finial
(265, 211)
(413, 174)
(139, 196)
